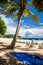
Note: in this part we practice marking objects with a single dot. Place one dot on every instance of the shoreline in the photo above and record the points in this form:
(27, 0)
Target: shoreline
(21, 40)
(26, 47)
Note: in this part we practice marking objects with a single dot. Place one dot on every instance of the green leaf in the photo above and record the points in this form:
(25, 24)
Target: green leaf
(15, 16)
(2, 27)
(28, 3)
(26, 13)
(38, 4)
(33, 16)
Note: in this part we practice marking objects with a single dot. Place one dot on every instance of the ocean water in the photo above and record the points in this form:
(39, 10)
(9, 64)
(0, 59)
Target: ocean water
(32, 38)
(24, 38)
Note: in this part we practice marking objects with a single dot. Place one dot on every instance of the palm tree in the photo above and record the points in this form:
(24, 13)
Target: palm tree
(19, 8)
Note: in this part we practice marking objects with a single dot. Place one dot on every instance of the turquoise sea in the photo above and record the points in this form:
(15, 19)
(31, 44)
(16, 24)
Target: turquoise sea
(32, 38)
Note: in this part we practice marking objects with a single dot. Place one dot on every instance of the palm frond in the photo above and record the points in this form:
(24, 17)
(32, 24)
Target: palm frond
(26, 13)
(33, 16)
(17, 15)
(11, 11)
(17, 3)
(14, 4)
(38, 4)
(3, 2)
(8, 10)
(22, 3)
(28, 3)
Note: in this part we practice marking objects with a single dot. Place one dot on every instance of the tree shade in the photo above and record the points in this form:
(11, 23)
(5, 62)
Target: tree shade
(2, 27)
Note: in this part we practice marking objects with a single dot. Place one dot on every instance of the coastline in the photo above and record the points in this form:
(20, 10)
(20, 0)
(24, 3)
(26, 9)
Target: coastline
(20, 40)
(21, 46)
(26, 47)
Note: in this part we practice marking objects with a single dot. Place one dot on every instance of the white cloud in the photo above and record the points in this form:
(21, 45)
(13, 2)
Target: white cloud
(33, 32)
(11, 30)
(25, 26)
(22, 21)
(25, 31)
(8, 21)
(11, 26)
(41, 23)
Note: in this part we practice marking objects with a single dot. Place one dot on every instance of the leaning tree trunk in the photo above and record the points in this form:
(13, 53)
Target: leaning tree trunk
(12, 45)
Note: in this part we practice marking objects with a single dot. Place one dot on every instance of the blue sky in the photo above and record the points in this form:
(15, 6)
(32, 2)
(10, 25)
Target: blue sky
(28, 27)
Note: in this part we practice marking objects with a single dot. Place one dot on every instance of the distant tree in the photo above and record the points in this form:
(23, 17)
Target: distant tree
(8, 36)
(11, 36)
(2, 27)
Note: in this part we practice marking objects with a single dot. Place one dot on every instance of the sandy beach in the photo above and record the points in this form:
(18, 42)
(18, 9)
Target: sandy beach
(23, 46)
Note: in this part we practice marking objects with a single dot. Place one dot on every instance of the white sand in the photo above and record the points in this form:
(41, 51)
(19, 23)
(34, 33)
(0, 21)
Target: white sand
(23, 46)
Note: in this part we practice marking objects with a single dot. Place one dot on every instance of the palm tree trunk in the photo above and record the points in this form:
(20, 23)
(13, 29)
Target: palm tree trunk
(12, 45)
